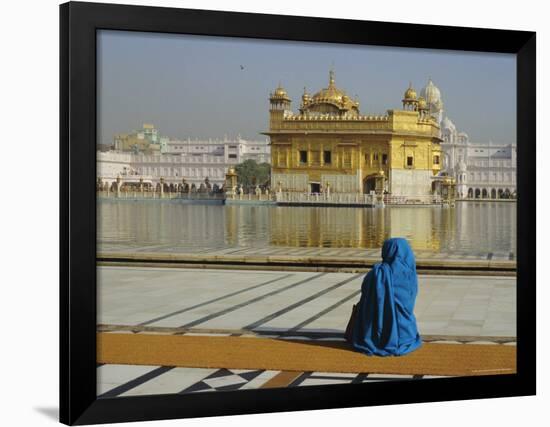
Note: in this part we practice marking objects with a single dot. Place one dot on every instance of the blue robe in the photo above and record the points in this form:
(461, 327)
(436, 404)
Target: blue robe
(384, 323)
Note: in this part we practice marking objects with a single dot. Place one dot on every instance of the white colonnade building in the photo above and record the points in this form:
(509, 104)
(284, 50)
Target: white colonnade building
(481, 170)
(192, 160)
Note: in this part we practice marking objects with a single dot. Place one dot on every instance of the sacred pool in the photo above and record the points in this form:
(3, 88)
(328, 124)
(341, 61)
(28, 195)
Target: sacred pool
(469, 228)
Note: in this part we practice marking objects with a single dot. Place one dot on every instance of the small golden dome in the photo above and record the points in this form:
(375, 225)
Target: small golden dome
(280, 93)
(306, 97)
(410, 93)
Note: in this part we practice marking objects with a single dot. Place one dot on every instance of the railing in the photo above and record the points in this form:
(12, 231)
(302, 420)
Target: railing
(281, 197)
(334, 198)
(413, 200)
(149, 195)
(265, 197)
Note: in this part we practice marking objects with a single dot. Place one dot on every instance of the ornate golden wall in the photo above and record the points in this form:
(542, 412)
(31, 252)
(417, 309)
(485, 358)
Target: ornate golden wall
(358, 145)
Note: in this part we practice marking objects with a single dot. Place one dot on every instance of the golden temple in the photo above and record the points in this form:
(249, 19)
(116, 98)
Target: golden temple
(328, 145)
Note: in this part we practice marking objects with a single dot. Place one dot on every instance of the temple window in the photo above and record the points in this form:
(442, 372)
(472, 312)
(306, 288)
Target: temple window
(436, 160)
(327, 157)
(347, 159)
(303, 157)
(410, 161)
(384, 159)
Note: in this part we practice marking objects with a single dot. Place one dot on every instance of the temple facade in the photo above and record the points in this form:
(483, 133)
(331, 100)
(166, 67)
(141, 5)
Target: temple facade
(330, 146)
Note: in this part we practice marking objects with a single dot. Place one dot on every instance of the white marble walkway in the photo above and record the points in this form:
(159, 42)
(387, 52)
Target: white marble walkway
(293, 301)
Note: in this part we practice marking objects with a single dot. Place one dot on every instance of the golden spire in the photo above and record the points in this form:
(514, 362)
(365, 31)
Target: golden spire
(306, 98)
(331, 78)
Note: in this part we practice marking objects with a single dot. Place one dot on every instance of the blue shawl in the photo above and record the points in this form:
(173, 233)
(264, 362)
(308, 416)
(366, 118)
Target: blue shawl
(385, 324)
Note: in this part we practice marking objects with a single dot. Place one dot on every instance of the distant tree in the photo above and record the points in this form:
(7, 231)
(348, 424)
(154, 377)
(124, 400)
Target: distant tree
(250, 173)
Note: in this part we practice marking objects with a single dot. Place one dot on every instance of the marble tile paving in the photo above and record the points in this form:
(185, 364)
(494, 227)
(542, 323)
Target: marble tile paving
(290, 305)
(193, 380)
(232, 299)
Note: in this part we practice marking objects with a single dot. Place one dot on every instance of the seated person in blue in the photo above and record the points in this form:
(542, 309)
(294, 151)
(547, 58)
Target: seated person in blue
(383, 322)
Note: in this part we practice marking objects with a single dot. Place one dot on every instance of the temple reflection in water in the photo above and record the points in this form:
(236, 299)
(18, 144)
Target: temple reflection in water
(362, 228)
(470, 227)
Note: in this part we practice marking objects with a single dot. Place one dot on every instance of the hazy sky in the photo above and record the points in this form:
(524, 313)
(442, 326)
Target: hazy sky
(193, 86)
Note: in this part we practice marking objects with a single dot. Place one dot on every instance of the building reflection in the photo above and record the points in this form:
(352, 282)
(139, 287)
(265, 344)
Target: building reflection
(470, 227)
(139, 224)
(488, 222)
(360, 228)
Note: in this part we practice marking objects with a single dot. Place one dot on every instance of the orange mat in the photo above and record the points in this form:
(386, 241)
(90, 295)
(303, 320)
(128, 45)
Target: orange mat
(286, 355)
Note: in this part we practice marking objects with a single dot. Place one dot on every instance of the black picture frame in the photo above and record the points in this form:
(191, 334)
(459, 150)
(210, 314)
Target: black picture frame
(79, 23)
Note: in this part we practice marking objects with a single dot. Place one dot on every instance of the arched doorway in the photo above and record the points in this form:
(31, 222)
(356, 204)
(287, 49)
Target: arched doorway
(493, 194)
(470, 193)
(484, 193)
(477, 193)
(369, 184)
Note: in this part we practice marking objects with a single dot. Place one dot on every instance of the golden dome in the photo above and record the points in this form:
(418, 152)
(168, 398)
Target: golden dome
(410, 94)
(333, 96)
(280, 93)
(330, 94)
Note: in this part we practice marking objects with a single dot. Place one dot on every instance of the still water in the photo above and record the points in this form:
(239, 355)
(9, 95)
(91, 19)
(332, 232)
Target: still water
(468, 228)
